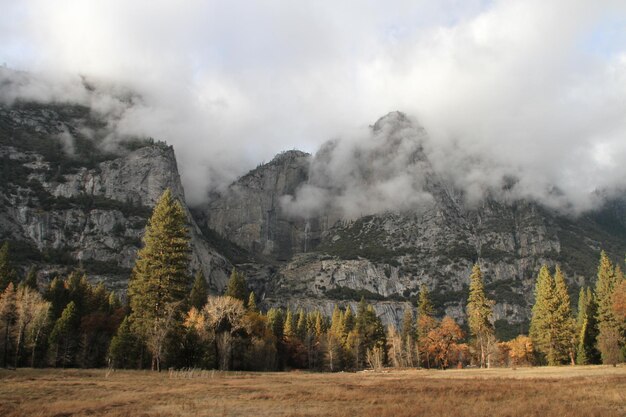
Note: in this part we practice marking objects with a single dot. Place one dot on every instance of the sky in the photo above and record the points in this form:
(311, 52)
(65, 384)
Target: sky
(534, 90)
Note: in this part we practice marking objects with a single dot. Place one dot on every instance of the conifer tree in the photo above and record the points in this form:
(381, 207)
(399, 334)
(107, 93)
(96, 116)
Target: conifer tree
(586, 352)
(159, 280)
(425, 323)
(563, 318)
(252, 303)
(237, 286)
(480, 316)
(608, 329)
(31, 279)
(63, 338)
(7, 319)
(290, 328)
(552, 326)
(7, 272)
(124, 347)
(301, 326)
(199, 292)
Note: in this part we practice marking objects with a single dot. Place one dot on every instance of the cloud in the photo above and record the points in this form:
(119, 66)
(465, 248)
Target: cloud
(524, 91)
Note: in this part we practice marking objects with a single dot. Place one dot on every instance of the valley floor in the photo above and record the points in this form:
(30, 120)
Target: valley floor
(565, 391)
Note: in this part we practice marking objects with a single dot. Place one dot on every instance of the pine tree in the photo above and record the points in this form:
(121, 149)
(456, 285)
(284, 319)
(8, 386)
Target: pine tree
(586, 325)
(124, 347)
(301, 326)
(424, 305)
(31, 279)
(608, 327)
(552, 325)
(63, 338)
(7, 319)
(159, 280)
(480, 315)
(252, 303)
(7, 272)
(425, 323)
(199, 292)
(237, 286)
(290, 327)
(565, 333)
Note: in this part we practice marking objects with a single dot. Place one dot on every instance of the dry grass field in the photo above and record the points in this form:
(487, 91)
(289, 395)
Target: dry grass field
(565, 391)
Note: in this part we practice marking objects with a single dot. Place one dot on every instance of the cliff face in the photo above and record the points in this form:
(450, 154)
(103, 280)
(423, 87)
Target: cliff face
(250, 214)
(320, 257)
(307, 230)
(67, 205)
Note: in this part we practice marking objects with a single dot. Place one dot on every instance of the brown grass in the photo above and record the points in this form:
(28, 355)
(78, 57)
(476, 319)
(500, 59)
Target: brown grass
(578, 391)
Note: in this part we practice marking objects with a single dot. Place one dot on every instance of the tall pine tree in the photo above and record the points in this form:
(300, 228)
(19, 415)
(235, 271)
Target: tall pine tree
(608, 328)
(480, 316)
(159, 280)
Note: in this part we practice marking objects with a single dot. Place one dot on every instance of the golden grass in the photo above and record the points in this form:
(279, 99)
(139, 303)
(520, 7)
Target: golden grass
(564, 391)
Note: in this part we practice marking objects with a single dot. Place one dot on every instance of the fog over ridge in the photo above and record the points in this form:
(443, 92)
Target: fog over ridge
(521, 98)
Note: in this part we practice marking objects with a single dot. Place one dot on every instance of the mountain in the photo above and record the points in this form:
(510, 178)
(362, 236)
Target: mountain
(308, 230)
(65, 201)
(386, 256)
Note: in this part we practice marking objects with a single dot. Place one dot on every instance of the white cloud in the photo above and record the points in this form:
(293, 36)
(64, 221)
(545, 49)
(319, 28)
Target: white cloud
(523, 85)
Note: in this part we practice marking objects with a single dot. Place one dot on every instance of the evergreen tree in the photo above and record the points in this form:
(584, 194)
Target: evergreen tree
(608, 327)
(301, 326)
(586, 352)
(7, 271)
(252, 303)
(159, 280)
(552, 326)
(31, 279)
(480, 316)
(199, 292)
(7, 319)
(63, 339)
(425, 323)
(408, 325)
(124, 348)
(290, 326)
(563, 319)
(237, 286)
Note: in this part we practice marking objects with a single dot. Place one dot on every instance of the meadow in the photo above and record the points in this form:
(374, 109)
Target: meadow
(547, 391)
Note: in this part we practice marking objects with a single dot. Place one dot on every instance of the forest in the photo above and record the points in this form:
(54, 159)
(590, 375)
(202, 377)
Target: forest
(168, 320)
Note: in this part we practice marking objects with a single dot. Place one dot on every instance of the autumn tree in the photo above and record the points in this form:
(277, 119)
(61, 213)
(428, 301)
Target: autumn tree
(442, 339)
(480, 316)
(159, 280)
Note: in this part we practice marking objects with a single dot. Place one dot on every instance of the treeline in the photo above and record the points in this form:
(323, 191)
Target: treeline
(167, 321)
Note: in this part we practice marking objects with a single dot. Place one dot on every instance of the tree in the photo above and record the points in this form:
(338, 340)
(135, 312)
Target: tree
(552, 325)
(7, 319)
(7, 272)
(159, 280)
(237, 286)
(28, 306)
(31, 279)
(608, 328)
(124, 347)
(425, 323)
(63, 339)
(442, 339)
(480, 316)
(224, 316)
(199, 292)
(252, 303)
(587, 328)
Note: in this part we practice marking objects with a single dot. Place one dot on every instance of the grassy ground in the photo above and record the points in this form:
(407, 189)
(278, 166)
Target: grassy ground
(565, 391)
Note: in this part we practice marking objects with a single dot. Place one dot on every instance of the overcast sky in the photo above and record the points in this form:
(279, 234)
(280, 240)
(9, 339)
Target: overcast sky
(530, 88)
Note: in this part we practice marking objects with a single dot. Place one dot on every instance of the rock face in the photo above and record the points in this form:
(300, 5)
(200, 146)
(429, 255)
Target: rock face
(371, 219)
(250, 214)
(93, 212)
(322, 257)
